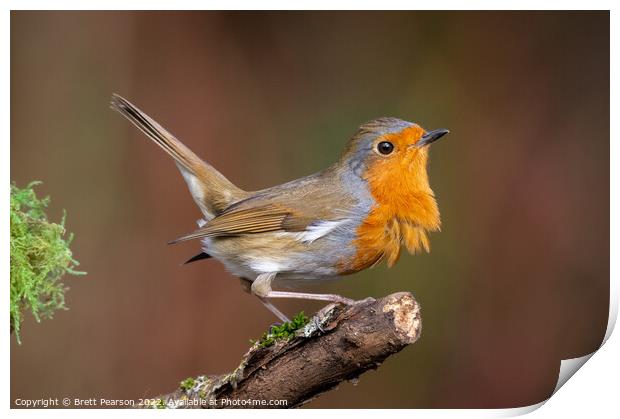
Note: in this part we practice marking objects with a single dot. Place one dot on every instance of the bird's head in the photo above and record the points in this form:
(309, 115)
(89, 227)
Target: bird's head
(391, 154)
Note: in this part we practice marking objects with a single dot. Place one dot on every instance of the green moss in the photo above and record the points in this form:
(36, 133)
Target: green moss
(40, 256)
(187, 384)
(284, 331)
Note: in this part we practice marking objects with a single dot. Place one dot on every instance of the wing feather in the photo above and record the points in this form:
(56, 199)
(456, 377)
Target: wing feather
(243, 221)
(303, 207)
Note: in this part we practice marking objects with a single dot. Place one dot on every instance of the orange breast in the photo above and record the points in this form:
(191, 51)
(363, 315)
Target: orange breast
(381, 236)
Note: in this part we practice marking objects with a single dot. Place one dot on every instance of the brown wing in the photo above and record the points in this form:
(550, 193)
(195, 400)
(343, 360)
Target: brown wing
(252, 220)
(289, 207)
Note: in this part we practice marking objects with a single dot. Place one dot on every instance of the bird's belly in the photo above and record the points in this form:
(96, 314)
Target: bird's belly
(251, 255)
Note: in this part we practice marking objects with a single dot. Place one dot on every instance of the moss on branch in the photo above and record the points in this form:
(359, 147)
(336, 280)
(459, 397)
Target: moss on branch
(40, 256)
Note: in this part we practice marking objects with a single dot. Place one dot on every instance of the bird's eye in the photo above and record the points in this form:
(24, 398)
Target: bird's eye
(385, 147)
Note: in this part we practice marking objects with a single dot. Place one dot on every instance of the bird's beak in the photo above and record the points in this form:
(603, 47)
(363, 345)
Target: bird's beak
(431, 136)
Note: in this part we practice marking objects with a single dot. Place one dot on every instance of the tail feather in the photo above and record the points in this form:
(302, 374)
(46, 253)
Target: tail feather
(199, 256)
(209, 188)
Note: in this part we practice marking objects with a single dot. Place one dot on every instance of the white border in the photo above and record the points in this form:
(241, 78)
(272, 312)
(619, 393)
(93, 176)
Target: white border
(593, 393)
(307, 5)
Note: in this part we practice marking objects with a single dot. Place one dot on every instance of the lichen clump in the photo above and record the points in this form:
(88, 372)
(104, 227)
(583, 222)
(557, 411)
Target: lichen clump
(40, 256)
(285, 331)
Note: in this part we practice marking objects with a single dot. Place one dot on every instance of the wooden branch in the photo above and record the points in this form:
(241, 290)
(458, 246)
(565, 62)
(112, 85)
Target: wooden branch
(339, 343)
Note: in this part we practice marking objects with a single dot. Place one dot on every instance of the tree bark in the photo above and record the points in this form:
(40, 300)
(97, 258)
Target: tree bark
(339, 343)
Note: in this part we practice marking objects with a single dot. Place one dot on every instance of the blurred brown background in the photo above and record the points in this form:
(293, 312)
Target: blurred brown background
(517, 280)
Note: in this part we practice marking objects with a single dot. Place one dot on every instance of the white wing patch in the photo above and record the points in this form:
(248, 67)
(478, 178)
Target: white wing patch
(318, 230)
(264, 266)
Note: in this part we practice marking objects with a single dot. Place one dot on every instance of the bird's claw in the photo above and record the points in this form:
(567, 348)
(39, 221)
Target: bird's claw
(365, 300)
(317, 323)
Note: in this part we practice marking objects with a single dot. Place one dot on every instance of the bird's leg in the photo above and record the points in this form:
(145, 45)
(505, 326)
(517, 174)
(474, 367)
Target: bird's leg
(261, 287)
(334, 298)
(274, 309)
(246, 284)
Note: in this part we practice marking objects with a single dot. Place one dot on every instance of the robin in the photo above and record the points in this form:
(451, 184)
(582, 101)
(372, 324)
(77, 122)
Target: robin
(346, 218)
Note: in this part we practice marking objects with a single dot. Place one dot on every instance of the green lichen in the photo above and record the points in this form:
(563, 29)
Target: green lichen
(285, 331)
(40, 256)
(187, 384)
